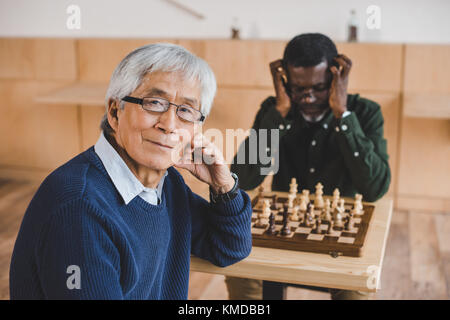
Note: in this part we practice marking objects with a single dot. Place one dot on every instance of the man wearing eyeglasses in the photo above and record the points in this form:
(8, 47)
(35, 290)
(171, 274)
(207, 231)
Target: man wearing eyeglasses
(326, 135)
(118, 221)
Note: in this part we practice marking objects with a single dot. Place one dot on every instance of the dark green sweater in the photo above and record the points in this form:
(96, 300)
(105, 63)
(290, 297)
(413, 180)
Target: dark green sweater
(348, 153)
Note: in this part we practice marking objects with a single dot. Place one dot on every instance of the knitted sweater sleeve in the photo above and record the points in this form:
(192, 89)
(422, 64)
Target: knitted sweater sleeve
(76, 256)
(221, 233)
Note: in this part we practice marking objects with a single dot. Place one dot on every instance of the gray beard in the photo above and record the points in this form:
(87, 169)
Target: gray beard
(313, 118)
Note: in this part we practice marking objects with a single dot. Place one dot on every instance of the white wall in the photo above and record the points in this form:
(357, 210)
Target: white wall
(409, 21)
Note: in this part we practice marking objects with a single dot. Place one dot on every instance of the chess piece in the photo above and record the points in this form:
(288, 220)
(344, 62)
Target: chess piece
(309, 218)
(317, 225)
(327, 211)
(294, 215)
(260, 192)
(285, 230)
(330, 227)
(336, 197)
(291, 198)
(305, 193)
(358, 206)
(349, 224)
(293, 187)
(338, 219)
(265, 212)
(271, 230)
(318, 201)
(303, 204)
(274, 202)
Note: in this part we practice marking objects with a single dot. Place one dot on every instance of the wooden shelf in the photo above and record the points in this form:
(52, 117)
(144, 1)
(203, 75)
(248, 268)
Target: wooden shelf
(426, 105)
(79, 93)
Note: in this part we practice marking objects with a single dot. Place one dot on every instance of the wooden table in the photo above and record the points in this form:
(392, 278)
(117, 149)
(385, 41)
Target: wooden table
(312, 269)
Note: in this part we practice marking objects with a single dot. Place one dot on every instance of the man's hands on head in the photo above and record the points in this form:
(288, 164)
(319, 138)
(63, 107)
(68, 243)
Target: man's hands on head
(338, 90)
(206, 162)
(283, 100)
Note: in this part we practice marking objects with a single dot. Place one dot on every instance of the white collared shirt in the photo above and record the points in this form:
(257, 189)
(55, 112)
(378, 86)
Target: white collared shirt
(123, 178)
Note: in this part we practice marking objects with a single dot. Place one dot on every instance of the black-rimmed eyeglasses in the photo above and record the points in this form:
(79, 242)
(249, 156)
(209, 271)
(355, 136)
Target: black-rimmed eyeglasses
(160, 105)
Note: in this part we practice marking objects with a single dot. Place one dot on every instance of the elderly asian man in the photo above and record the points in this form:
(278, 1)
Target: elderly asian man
(118, 221)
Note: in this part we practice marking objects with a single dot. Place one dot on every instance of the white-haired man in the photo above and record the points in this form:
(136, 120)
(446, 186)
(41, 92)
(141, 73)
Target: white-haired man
(118, 221)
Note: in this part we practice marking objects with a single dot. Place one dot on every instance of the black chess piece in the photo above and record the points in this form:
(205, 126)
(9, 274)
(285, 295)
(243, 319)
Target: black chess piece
(318, 224)
(286, 230)
(271, 230)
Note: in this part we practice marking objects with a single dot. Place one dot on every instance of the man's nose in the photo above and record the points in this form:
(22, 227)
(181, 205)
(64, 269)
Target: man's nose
(168, 120)
(309, 98)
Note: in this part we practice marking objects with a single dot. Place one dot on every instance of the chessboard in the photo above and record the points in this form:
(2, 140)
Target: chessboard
(316, 223)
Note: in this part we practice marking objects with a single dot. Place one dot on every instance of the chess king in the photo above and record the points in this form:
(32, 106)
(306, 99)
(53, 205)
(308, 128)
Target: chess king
(326, 135)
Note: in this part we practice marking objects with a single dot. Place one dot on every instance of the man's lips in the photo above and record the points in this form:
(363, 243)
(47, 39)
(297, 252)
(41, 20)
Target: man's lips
(311, 109)
(160, 144)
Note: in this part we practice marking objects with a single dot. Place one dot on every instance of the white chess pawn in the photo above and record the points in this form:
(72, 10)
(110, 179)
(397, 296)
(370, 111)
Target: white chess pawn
(305, 193)
(336, 196)
(336, 193)
(293, 186)
(294, 214)
(291, 198)
(358, 206)
(303, 204)
(339, 214)
(318, 201)
(327, 211)
(264, 217)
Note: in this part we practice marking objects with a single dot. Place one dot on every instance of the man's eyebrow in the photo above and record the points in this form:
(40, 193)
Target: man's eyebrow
(164, 94)
(155, 91)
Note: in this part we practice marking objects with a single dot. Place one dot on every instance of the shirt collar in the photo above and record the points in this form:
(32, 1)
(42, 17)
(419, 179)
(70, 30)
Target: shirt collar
(122, 177)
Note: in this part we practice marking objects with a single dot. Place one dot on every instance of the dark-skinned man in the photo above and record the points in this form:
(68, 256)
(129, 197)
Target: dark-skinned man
(326, 135)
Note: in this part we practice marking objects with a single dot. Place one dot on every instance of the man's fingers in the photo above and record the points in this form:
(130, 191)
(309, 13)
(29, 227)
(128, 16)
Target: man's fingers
(344, 63)
(335, 71)
(346, 59)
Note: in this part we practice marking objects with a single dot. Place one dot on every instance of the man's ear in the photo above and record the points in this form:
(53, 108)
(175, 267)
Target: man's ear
(113, 110)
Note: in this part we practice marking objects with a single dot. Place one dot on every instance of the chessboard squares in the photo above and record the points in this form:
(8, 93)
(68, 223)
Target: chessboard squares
(293, 224)
(259, 231)
(352, 231)
(303, 230)
(316, 237)
(334, 234)
(357, 220)
(285, 236)
(323, 227)
(349, 240)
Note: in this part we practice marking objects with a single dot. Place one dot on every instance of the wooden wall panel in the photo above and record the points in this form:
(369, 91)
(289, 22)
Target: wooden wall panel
(425, 159)
(427, 68)
(55, 59)
(32, 135)
(90, 120)
(40, 59)
(99, 57)
(243, 63)
(16, 58)
(376, 67)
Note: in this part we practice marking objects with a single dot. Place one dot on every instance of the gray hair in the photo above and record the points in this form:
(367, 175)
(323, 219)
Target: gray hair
(165, 57)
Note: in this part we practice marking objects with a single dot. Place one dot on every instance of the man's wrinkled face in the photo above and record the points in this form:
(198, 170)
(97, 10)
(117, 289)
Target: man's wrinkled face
(308, 88)
(150, 138)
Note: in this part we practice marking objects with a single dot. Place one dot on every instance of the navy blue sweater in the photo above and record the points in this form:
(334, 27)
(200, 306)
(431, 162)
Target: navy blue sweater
(78, 228)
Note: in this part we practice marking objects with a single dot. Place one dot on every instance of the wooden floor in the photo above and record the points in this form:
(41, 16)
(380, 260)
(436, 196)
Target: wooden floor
(416, 265)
